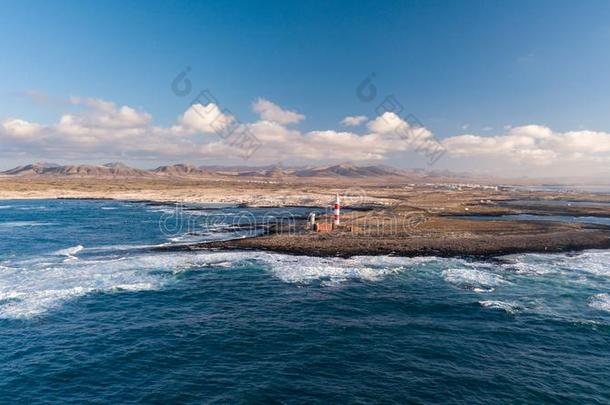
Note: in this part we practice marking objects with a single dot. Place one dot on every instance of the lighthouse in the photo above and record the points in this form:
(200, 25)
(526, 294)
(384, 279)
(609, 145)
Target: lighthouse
(337, 220)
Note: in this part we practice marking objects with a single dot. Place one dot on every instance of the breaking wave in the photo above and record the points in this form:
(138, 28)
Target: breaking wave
(34, 286)
(508, 307)
(39, 286)
(590, 262)
(472, 279)
(293, 269)
(17, 224)
(600, 302)
(70, 252)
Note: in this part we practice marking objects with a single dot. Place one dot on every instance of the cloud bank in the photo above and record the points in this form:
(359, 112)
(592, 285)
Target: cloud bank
(105, 130)
(535, 146)
(100, 129)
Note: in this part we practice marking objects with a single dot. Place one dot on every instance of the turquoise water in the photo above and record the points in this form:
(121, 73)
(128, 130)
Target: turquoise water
(90, 311)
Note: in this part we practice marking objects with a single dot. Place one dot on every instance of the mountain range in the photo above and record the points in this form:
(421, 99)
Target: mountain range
(345, 170)
(50, 169)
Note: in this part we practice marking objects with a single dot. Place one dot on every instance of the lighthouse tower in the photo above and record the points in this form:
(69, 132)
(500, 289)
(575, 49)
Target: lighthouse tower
(337, 220)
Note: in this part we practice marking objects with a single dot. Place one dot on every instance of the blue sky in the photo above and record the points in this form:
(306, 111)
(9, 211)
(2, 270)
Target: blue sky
(471, 67)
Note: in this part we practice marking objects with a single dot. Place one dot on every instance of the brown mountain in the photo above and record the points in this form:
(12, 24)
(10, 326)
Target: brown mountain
(31, 169)
(107, 170)
(180, 170)
(270, 171)
(343, 170)
(349, 170)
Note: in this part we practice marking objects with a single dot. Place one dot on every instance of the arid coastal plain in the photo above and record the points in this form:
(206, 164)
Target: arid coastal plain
(386, 211)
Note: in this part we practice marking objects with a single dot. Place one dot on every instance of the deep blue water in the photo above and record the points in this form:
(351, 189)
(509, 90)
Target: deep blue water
(89, 312)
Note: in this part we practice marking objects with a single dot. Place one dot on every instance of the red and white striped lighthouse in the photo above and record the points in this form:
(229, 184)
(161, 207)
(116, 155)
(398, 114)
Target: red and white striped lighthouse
(337, 220)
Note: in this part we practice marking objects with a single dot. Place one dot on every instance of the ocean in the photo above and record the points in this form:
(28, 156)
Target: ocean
(92, 312)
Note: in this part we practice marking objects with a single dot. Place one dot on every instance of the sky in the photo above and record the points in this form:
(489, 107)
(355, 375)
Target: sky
(509, 88)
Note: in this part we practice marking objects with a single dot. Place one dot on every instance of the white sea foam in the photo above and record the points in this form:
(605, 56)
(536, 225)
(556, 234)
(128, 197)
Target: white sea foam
(121, 248)
(10, 295)
(299, 269)
(36, 287)
(473, 279)
(308, 269)
(133, 287)
(18, 224)
(34, 303)
(70, 252)
(186, 238)
(396, 260)
(165, 210)
(40, 284)
(600, 302)
(5, 207)
(523, 267)
(333, 271)
(33, 286)
(595, 262)
(592, 262)
(508, 307)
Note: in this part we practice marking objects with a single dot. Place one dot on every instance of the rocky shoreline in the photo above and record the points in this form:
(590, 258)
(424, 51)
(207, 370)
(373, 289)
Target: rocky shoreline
(447, 228)
(468, 238)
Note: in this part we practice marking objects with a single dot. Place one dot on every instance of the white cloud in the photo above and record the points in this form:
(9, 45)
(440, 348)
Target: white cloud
(102, 113)
(99, 129)
(531, 131)
(95, 103)
(269, 111)
(17, 128)
(353, 121)
(205, 118)
(411, 132)
(388, 122)
(533, 145)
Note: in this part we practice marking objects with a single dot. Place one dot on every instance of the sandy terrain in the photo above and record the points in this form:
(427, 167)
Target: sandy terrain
(277, 192)
(251, 192)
